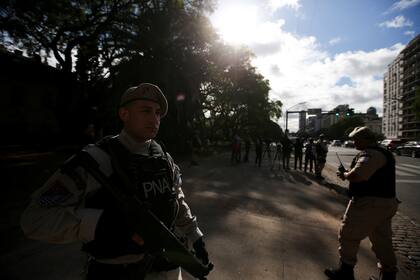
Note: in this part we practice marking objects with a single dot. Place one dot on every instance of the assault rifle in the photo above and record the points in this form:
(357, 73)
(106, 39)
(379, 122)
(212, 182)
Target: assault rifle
(155, 233)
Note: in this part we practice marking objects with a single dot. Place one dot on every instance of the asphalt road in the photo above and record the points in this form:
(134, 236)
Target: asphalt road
(259, 223)
(408, 179)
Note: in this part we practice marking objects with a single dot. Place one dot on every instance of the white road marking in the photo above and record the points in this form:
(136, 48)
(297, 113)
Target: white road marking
(410, 165)
(407, 169)
(402, 173)
(408, 181)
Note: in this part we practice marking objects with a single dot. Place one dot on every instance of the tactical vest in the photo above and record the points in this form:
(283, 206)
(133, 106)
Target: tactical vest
(381, 183)
(152, 176)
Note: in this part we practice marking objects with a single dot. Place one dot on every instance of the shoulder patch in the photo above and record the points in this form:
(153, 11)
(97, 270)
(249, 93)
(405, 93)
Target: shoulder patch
(55, 195)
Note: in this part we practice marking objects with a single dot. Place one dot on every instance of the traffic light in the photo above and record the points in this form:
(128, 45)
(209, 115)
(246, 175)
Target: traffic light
(349, 112)
(337, 114)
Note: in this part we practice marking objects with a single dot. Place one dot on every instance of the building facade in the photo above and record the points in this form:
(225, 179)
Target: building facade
(328, 120)
(372, 120)
(302, 121)
(392, 97)
(409, 125)
(401, 81)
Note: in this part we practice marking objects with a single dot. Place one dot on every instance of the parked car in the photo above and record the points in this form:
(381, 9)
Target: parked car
(349, 144)
(336, 143)
(411, 148)
(391, 144)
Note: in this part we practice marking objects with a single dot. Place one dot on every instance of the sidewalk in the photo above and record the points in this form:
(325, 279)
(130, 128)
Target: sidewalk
(259, 224)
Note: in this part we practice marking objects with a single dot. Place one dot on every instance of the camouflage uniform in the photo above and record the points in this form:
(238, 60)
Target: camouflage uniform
(73, 206)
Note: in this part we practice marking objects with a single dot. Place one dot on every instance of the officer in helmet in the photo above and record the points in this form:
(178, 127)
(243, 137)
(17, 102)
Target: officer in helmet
(73, 206)
(373, 204)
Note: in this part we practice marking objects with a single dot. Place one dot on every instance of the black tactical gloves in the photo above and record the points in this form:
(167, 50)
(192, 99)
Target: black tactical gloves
(200, 250)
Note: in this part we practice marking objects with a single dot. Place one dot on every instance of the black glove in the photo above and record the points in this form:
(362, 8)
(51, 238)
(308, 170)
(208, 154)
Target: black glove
(200, 250)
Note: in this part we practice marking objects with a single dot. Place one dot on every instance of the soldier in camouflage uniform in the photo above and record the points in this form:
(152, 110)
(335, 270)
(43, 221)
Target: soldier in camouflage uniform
(73, 206)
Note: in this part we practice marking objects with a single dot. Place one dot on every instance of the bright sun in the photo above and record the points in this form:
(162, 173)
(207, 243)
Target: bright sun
(236, 24)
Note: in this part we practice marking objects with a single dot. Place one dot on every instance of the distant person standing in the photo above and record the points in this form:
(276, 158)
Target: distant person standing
(371, 208)
(278, 155)
(321, 147)
(195, 147)
(287, 150)
(247, 148)
(298, 149)
(310, 154)
(267, 149)
(236, 149)
(258, 150)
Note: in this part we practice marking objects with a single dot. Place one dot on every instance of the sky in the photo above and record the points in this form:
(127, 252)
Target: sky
(320, 53)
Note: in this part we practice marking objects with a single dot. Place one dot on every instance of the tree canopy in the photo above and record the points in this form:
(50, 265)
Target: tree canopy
(342, 128)
(110, 45)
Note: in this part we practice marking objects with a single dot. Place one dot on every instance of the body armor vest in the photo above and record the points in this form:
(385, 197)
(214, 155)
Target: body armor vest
(381, 183)
(152, 176)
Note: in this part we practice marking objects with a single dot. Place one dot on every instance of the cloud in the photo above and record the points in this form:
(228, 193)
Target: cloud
(301, 70)
(334, 41)
(410, 33)
(265, 49)
(403, 4)
(277, 4)
(397, 22)
(275, 70)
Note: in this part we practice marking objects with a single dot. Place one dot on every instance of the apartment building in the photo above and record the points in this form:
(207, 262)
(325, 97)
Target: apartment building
(372, 120)
(302, 120)
(392, 96)
(409, 125)
(400, 84)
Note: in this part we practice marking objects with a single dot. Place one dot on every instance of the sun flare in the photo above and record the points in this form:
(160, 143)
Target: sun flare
(236, 24)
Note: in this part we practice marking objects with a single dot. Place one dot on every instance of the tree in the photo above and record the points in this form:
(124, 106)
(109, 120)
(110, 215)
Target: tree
(235, 97)
(111, 45)
(64, 28)
(169, 46)
(342, 128)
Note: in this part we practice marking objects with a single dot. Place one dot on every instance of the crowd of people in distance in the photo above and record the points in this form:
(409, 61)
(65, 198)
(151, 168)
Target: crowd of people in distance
(308, 154)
